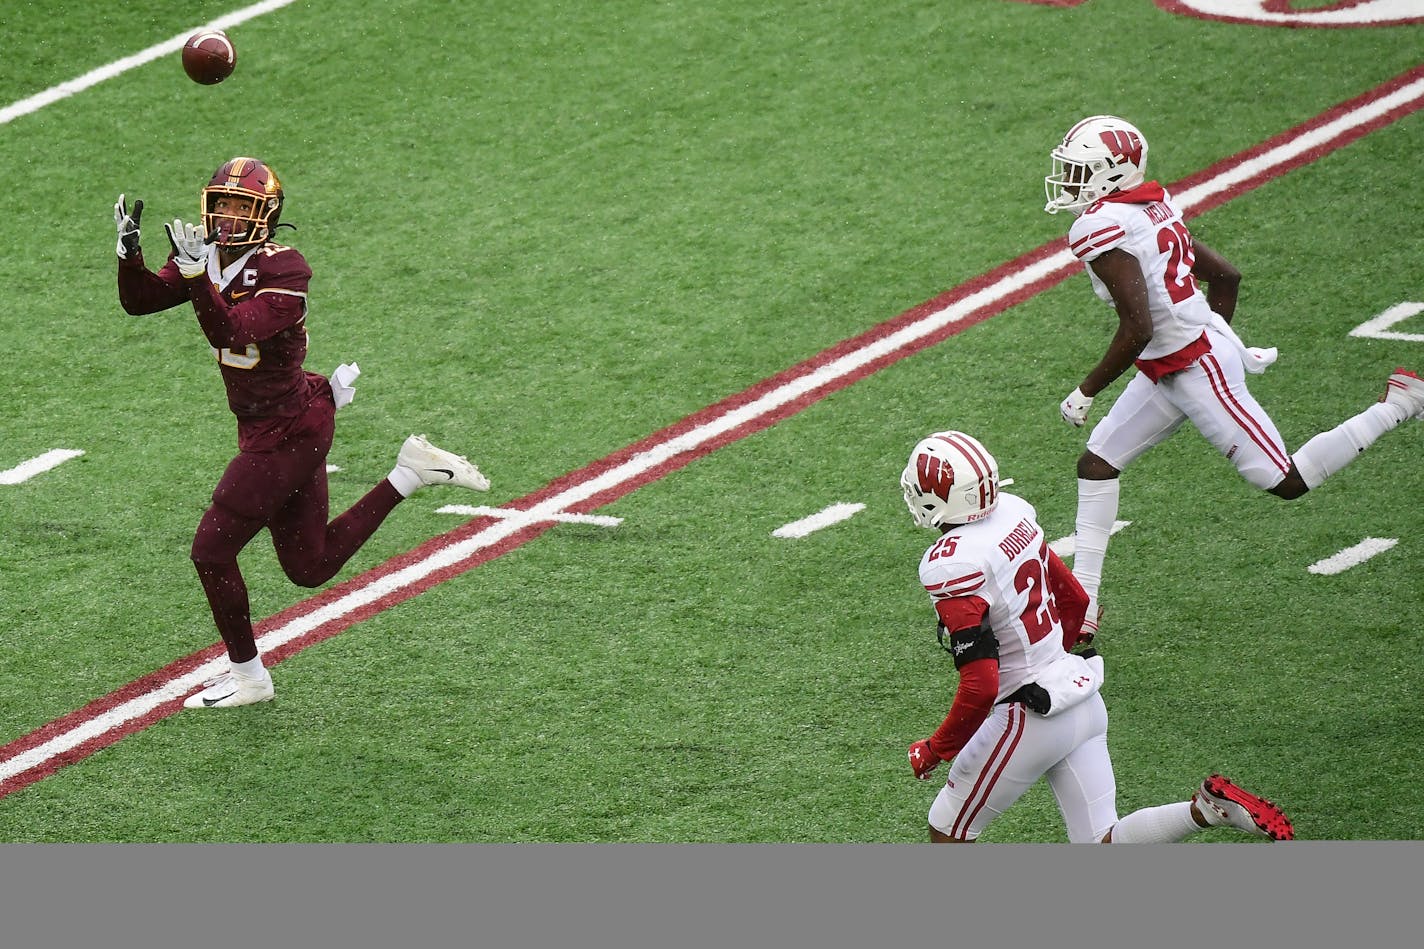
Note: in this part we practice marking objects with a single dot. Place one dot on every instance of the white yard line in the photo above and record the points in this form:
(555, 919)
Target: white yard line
(468, 510)
(120, 66)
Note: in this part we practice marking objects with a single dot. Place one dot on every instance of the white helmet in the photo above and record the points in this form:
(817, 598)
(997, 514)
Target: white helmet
(1098, 156)
(950, 479)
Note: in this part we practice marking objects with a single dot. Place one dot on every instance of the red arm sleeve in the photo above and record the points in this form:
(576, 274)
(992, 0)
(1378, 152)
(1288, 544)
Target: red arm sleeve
(961, 612)
(143, 291)
(978, 687)
(1071, 598)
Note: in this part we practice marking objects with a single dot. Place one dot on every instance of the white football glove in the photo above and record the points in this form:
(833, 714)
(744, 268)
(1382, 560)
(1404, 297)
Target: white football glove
(190, 247)
(127, 225)
(1075, 408)
(1256, 359)
(343, 383)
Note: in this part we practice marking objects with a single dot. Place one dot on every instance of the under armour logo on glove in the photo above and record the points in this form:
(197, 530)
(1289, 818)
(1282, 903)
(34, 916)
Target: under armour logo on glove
(923, 759)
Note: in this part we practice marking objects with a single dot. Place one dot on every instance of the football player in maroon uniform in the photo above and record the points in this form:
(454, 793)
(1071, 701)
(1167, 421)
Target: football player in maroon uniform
(250, 297)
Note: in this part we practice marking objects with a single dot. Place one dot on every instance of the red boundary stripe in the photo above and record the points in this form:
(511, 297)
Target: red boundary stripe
(325, 631)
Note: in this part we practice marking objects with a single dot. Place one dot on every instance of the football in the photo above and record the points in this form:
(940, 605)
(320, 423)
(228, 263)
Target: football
(209, 57)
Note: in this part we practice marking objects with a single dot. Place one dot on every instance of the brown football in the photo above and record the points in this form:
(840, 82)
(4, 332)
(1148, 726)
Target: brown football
(209, 57)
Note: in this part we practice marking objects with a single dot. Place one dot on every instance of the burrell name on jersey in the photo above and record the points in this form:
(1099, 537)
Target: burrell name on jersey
(1002, 560)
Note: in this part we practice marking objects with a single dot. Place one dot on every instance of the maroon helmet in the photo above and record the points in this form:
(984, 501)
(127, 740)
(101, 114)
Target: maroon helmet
(243, 178)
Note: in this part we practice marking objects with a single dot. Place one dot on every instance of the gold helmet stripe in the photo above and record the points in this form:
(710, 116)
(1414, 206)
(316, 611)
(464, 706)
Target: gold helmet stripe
(239, 167)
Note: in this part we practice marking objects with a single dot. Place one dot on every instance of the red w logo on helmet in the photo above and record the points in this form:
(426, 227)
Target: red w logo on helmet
(935, 476)
(1125, 146)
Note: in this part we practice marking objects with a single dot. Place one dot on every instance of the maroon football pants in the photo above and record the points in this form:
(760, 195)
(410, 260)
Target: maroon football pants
(284, 490)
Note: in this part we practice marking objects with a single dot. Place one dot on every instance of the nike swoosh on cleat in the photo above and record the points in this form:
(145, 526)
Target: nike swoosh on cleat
(211, 702)
(446, 472)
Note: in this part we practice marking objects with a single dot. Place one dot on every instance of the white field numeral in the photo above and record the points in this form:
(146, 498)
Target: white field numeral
(1379, 326)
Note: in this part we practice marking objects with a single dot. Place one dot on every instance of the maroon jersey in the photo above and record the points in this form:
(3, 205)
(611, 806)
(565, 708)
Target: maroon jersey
(253, 314)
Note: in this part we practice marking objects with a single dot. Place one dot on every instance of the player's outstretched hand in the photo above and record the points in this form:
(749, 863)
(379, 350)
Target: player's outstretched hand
(190, 247)
(923, 759)
(127, 225)
(1256, 360)
(1075, 407)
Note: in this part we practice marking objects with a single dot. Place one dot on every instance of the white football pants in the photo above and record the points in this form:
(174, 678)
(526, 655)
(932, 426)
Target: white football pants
(1013, 749)
(1212, 393)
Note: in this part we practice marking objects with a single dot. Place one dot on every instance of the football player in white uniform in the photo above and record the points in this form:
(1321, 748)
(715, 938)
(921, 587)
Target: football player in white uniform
(1142, 259)
(1026, 707)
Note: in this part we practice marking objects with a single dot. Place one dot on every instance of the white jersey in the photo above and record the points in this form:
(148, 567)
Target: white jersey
(1003, 560)
(1156, 235)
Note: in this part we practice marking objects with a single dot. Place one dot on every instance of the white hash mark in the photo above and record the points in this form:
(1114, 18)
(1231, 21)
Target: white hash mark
(807, 525)
(28, 469)
(1065, 546)
(1352, 556)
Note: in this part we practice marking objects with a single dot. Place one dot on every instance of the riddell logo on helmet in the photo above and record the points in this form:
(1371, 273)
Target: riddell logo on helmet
(1125, 146)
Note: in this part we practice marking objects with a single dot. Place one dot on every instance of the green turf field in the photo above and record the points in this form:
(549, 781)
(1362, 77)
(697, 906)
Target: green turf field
(547, 230)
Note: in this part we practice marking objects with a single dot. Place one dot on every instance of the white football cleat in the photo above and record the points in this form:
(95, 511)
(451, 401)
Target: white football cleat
(1406, 390)
(438, 466)
(230, 689)
(1224, 804)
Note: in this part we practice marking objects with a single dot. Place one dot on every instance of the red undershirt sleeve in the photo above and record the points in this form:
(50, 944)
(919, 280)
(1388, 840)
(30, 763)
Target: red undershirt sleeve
(978, 688)
(1071, 598)
(961, 612)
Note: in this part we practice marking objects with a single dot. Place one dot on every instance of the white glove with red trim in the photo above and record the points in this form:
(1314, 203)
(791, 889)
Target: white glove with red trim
(1075, 408)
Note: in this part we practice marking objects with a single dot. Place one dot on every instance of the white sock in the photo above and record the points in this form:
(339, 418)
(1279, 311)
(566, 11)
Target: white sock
(404, 480)
(252, 668)
(1330, 451)
(1164, 824)
(1097, 512)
